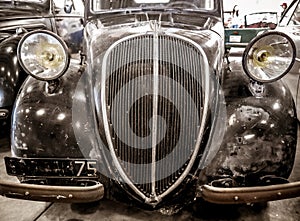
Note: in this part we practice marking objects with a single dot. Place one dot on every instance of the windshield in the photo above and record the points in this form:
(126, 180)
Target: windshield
(101, 5)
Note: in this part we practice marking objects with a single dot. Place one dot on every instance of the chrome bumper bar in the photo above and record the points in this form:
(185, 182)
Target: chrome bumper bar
(68, 194)
(243, 195)
(95, 192)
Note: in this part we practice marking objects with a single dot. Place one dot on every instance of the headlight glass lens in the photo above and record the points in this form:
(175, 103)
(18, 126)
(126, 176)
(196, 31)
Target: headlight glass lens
(269, 56)
(43, 55)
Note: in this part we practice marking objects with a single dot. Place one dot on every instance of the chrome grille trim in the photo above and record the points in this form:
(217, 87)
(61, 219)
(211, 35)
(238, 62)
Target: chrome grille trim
(155, 110)
(153, 199)
(206, 85)
(107, 127)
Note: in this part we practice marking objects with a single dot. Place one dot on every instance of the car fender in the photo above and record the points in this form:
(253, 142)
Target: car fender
(42, 117)
(11, 74)
(261, 135)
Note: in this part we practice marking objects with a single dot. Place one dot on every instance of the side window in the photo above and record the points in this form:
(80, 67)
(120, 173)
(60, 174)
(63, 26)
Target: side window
(69, 15)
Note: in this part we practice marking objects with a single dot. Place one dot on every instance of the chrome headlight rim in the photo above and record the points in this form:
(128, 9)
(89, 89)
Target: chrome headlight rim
(249, 47)
(59, 40)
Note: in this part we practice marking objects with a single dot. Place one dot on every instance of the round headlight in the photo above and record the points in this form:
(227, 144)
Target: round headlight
(269, 56)
(43, 55)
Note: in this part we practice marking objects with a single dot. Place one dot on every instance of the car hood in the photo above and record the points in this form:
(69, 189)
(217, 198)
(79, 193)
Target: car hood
(206, 36)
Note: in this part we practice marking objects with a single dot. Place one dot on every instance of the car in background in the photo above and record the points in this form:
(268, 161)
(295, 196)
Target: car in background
(253, 24)
(152, 116)
(17, 18)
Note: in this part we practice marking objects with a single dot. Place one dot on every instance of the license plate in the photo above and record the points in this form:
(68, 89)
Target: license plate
(235, 38)
(38, 167)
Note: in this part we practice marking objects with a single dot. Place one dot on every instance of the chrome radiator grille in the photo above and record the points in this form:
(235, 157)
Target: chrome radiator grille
(154, 108)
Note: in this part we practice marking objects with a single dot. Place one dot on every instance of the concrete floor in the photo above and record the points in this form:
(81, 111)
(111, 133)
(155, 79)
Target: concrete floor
(18, 210)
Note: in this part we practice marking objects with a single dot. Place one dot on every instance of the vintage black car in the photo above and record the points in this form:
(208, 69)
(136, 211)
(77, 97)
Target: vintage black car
(17, 17)
(151, 115)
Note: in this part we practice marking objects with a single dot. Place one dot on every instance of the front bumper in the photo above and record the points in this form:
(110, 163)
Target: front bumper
(67, 194)
(90, 190)
(95, 192)
(243, 195)
(76, 180)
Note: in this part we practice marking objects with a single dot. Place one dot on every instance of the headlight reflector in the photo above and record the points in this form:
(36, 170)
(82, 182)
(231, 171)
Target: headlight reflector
(43, 55)
(269, 56)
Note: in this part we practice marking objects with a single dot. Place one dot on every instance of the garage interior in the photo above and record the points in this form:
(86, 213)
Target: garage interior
(199, 210)
(288, 210)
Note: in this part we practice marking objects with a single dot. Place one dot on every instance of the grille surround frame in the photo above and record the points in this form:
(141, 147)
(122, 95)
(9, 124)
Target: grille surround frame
(153, 198)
